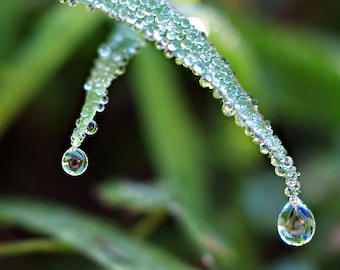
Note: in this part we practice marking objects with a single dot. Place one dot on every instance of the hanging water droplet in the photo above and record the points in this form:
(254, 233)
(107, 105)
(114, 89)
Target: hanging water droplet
(92, 128)
(100, 107)
(72, 3)
(205, 84)
(296, 225)
(74, 161)
(120, 70)
(280, 171)
(87, 86)
(249, 131)
(101, 91)
(264, 149)
(104, 100)
(228, 109)
(90, 7)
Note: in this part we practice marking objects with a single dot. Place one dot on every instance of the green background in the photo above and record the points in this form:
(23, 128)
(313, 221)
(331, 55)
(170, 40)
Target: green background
(168, 173)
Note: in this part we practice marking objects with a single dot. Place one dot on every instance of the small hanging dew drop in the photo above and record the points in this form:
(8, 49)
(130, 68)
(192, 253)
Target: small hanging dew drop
(74, 161)
(92, 128)
(90, 7)
(280, 171)
(101, 91)
(100, 107)
(72, 3)
(228, 109)
(296, 225)
(248, 131)
(77, 122)
(264, 149)
(205, 84)
(104, 100)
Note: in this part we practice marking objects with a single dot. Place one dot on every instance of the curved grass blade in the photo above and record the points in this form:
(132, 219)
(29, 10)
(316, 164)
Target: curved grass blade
(97, 239)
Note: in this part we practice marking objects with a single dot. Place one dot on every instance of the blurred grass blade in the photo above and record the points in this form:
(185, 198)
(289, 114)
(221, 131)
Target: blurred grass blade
(309, 61)
(177, 150)
(134, 195)
(32, 246)
(175, 141)
(59, 33)
(95, 238)
(10, 11)
(307, 53)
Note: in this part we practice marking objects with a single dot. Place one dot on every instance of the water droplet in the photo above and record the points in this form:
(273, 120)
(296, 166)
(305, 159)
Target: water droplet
(296, 225)
(92, 128)
(101, 91)
(280, 171)
(205, 84)
(78, 122)
(104, 100)
(90, 7)
(100, 107)
(87, 87)
(169, 54)
(198, 68)
(74, 161)
(255, 104)
(105, 51)
(72, 3)
(228, 109)
(120, 70)
(287, 162)
(239, 120)
(264, 149)
(248, 131)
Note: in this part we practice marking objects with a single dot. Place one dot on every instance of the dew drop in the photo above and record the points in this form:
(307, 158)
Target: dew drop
(90, 7)
(169, 54)
(78, 122)
(228, 109)
(74, 161)
(248, 131)
(280, 171)
(205, 84)
(105, 51)
(296, 225)
(104, 100)
(198, 68)
(72, 3)
(264, 149)
(120, 70)
(100, 107)
(101, 91)
(92, 128)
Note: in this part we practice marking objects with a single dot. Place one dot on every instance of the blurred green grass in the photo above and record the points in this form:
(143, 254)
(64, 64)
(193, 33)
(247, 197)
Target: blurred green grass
(212, 195)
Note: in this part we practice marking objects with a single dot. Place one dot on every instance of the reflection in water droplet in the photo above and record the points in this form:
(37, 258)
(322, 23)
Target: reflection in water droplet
(296, 225)
(74, 162)
(92, 128)
(228, 109)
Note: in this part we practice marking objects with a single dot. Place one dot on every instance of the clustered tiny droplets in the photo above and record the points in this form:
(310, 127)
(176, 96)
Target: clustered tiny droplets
(113, 56)
(159, 22)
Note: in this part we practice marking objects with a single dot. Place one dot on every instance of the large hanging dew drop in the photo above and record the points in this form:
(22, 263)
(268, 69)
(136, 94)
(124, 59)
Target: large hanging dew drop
(296, 225)
(74, 162)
